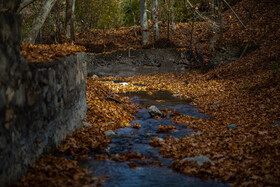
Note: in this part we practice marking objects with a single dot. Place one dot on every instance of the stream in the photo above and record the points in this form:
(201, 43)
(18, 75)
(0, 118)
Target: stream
(145, 173)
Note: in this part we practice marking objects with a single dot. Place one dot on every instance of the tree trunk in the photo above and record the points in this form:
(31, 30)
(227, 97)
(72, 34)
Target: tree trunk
(217, 17)
(168, 20)
(73, 36)
(68, 18)
(172, 18)
(251, 11)
(134, 20)
(155, 19)
(144, 22)
(39, 21)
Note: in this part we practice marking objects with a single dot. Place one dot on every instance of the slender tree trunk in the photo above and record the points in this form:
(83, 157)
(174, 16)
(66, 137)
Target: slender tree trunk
(68, 18)
(73, 36)
(172, 18)
(155, 19)
(39, 37)
(217, 17)
(134, 20)
(168, 21)
(250, 12)
(39, 21)
(144, 22)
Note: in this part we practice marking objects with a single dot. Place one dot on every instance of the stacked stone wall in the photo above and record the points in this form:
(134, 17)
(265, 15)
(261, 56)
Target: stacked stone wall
(39, 103)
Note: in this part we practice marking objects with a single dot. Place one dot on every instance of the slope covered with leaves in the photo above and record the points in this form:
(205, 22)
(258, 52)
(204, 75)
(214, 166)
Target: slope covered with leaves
(53, 171)
(245, 93)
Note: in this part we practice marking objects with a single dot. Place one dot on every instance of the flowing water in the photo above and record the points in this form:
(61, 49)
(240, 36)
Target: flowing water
(147, 174)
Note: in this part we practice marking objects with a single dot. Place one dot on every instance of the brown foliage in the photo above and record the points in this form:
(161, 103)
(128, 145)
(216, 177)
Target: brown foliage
(53, 171)
(48, 53)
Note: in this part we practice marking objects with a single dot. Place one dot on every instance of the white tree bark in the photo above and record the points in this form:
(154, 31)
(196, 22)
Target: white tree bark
(39, 21)
(144, 22)
(155, 19)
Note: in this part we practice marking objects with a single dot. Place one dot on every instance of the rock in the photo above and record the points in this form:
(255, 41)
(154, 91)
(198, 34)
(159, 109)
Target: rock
(214, 105)
(110, 133)
(124, 83)
(148, 134)
(86, 124)
(94, 76)
(200, 160)
(176, 95)
(194, 104)
(231, 126)
(276, 124)
(154, 111)
(161, 139)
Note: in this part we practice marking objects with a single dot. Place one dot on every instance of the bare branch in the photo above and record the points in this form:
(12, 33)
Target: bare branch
(200, 16)
(251, 11)
(24, 4)
(39, 21)
(235, 14)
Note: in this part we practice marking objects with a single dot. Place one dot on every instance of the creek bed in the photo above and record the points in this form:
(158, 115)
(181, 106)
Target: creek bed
(144, 173)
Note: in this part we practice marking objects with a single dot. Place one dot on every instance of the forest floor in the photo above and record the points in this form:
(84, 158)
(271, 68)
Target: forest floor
(245, 93)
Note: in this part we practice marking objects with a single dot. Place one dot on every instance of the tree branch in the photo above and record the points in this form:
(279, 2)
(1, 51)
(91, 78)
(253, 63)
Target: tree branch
(251, 11)
(200, 16)
(235, 14)
(24, 4)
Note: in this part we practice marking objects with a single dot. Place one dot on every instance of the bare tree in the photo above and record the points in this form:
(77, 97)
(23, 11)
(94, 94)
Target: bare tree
(39, 21)
(173, 27)
(134, 20)
(216, 8)
(155, 19)
(144, 22)
(69, 19)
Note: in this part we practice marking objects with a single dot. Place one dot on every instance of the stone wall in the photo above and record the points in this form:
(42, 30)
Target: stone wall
(39, 103)
(142, 61)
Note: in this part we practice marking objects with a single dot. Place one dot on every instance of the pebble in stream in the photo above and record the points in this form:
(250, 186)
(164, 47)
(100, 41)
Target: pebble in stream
(145, 174)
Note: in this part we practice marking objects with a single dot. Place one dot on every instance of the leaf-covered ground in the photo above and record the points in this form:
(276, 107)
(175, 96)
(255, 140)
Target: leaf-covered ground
(245, 92)
(48, 53)
(248, 155)
(53, 171)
